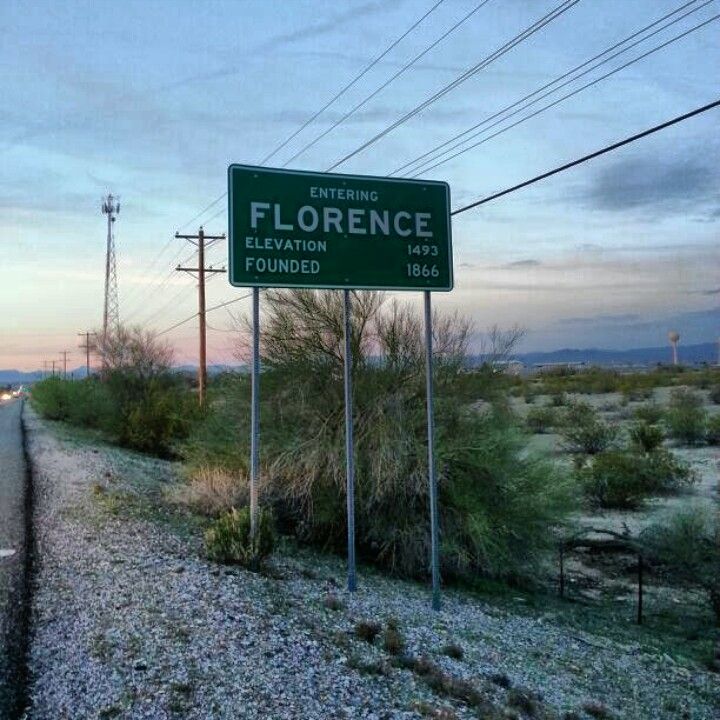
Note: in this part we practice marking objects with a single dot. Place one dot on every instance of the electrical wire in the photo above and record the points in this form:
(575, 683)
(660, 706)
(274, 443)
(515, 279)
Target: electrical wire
(394, 77)
(559, 10)
(360, 75)
(586, 158)
(572, 94)
(210, 309)
(445, 144)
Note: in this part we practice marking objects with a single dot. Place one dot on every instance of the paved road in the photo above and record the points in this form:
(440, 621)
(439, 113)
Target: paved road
(12, 555)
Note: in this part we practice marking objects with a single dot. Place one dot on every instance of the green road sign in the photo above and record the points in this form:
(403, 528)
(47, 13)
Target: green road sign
(289, 228)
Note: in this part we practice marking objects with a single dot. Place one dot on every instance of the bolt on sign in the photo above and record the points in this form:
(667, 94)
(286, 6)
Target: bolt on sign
(289, 228)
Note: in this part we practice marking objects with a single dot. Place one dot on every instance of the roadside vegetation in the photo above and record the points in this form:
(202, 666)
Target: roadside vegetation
(136, 400)
(522, 461)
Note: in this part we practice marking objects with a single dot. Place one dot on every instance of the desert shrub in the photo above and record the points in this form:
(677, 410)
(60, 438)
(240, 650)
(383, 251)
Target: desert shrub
(136, 400)
(685, 544)
(584, 431)
(623, 479)
(393, 641)
(367, 630)
(454, 651)
(498, 503)
(52, 398)
(614, 479)
(714, 394)
(211, 491)
(558, 399)
(154, 415)
(541, 419)
(228, 539)
(650, 413)
(333, 602)
(86, 403)
(712, 434)
(646, 437)
(685, 416)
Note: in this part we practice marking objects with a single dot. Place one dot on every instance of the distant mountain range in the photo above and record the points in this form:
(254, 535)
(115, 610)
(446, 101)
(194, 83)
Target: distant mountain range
(19, 377)
(689, 355)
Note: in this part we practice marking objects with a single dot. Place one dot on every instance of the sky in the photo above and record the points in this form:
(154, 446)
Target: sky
(152, 100)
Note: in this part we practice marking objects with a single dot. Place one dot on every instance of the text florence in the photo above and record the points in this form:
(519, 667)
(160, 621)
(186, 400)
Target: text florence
(281, 265)
(353, 221)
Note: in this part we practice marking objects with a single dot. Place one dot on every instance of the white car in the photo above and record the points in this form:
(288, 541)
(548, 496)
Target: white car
(5, 396)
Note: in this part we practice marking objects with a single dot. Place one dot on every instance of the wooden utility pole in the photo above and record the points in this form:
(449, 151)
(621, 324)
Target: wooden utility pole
(199, 241)
(64, 354)
(86, 347)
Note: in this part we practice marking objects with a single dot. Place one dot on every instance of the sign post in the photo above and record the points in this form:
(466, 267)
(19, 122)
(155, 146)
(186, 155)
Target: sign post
(295, 229)
(432, 478)
(349, 444)
(255, 410)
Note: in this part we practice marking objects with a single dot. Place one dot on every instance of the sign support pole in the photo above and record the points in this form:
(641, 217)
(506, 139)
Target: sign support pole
(349, 445)
(432, 478)
(255, 411)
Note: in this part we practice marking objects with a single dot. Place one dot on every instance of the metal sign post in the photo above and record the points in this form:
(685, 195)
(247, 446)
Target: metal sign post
(349, 445)
(255, 411)
(296, 229)
(432, 479)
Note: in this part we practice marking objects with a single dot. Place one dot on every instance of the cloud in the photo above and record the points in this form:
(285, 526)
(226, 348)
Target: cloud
(323, 27)
(519, 264)
(599, 319)
(660, 185)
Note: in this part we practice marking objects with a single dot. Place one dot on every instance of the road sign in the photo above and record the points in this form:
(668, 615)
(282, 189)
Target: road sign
(289, 228)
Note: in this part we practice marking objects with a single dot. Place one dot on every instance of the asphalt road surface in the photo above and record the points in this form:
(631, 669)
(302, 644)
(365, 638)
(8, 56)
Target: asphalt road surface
(12, 558)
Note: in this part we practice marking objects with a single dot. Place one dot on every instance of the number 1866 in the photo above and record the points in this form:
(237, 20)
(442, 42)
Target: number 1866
(421, 270)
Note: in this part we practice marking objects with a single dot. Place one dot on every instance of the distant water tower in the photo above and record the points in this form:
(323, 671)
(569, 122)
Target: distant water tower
(674, 338)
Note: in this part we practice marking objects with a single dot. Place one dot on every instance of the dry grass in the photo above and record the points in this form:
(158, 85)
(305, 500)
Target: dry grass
(211, 492)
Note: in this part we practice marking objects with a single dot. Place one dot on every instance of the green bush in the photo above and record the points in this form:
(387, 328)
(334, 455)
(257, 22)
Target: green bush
(86, 403)
(498, 503)
(623, 479)
(650, 413)
(685, 417)
(714, 394)
(614, 480)
(228, 540)
(646, 437)
(584, 431)
(151, 414)
(685, 544)
(712, 434)
(541, 419)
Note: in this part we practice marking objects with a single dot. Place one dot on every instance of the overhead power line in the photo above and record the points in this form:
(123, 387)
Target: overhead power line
(597, 80)
(471, 72)
(352, 82)
(394, 77)
(210, 309)
(591, 156)
(468, 134)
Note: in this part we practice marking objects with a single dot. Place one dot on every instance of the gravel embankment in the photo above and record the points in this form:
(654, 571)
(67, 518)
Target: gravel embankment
(131, 622)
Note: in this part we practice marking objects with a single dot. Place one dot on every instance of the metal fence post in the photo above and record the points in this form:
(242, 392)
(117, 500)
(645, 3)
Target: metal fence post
(640, 590)
(349, 445)
(432, 479)
(255, 411)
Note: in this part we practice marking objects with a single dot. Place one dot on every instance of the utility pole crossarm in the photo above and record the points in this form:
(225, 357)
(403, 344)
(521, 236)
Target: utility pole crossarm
(193, 238)
(207, 270)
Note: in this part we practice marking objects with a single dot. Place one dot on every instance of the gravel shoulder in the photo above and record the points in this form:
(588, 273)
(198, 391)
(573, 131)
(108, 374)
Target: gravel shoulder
(130, 621)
